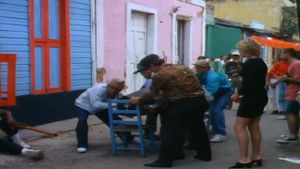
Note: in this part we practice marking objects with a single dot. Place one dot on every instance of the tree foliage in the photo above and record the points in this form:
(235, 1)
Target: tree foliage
(289, 22)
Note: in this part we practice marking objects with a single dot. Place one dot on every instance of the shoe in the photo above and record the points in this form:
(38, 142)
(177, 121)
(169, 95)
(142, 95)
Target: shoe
(281, 117)
(218, 138)
(135, 140)
(158, 164)
(32, 154)
(287, 140)
(16, 139)
(198, 157)
(275, 112)
(240, 165)
(81, 150)
(180, 156)
(257, 163)
(283, 136)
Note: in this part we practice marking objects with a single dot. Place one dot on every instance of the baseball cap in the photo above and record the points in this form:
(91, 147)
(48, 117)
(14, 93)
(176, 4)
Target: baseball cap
(235, 52)
(202, 63)
(139, 68)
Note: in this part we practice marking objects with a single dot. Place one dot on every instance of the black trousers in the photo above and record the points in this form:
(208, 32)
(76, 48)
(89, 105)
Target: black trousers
(6, 145)
(181, 118)
(82, 126)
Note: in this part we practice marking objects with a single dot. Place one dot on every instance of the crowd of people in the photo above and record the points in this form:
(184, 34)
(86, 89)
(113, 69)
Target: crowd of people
(184, 95)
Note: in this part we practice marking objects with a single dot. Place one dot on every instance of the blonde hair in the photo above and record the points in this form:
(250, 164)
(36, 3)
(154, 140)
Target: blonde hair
(100, 72)
(249, 47)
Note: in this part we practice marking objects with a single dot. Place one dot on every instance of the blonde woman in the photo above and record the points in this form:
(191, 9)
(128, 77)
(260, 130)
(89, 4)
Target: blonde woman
(253, 98)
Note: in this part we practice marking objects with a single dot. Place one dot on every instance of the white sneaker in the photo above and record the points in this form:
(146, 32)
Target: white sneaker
(32, 154)
(81, 150)
(16, 139)
(282, 117)
(218, 138)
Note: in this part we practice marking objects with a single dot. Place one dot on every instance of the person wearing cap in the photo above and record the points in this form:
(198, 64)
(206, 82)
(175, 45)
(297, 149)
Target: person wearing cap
(221, 89)
(184, 112)
(146, 74)
(94, 101)
(232, 69)
(153, 109)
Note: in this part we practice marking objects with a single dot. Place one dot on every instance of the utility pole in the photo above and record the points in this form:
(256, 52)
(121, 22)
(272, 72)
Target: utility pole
(298, 16)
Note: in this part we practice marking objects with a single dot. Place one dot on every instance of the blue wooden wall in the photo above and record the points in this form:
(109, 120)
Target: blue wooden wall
(14, 38)
(81, 61)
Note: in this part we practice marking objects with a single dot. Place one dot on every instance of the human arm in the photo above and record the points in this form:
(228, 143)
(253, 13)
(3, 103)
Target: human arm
(143, 99)
(293, 75)
(212, 82)
(7, 115)
(289, 79)
(157, 84)
(97, 95)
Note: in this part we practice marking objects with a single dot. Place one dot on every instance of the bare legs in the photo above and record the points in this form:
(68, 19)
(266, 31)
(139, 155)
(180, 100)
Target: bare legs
(293, 124)
(255, 135)
(242, 126)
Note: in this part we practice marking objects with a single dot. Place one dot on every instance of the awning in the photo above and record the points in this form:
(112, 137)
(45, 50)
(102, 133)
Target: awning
(276, 43)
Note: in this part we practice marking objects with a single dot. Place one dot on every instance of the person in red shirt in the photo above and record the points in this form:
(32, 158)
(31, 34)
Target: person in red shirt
(293, 107)
(276, 88)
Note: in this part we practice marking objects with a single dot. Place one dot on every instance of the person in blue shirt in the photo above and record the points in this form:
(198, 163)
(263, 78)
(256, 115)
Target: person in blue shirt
(221, 89)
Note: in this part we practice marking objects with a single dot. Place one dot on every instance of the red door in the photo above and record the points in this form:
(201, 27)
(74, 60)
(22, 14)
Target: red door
(49, 46)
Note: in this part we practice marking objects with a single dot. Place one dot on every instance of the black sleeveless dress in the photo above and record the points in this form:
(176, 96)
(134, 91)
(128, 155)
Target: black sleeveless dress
(253, 90)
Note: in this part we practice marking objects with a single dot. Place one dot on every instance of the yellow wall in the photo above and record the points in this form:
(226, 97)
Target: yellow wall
(245, 11)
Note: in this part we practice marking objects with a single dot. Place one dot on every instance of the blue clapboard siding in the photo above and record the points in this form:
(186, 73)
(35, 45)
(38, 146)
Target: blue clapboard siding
(14, 38)
(80, 26)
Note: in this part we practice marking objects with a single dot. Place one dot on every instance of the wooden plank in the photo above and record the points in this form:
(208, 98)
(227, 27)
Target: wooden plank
(11, 7)
(13, 21)
(12, 14)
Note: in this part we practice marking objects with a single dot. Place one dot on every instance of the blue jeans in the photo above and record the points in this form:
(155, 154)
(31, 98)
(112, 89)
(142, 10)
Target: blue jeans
(82, 126)
(280, 92)
(217, 107)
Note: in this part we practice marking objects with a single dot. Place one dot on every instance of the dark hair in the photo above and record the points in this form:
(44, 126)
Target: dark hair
(291, 52)
(151, 59)
(201, 57)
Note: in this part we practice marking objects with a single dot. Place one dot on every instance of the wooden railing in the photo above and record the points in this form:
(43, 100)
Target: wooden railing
(7, 79)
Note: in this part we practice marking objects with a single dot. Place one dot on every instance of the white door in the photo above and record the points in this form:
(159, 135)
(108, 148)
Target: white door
(179, 42)
(182, 42)
(137, 50)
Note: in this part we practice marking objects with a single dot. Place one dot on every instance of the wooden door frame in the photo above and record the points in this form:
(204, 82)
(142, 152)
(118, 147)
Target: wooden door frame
(152, 31)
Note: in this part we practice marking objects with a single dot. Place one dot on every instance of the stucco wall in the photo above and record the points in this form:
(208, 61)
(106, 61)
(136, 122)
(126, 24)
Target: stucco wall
(244, 11)
(115, 31)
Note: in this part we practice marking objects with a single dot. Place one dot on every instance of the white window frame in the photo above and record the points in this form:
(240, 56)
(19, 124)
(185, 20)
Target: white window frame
(188, 43)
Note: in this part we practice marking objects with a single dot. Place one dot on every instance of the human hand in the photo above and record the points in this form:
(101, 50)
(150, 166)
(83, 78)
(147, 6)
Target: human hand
(281, 78)
(11, 122)
(235, 97)
(134, 100)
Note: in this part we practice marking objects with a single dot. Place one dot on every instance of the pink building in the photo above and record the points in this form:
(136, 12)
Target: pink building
(127, 30)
